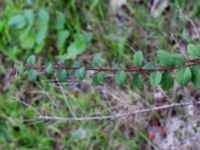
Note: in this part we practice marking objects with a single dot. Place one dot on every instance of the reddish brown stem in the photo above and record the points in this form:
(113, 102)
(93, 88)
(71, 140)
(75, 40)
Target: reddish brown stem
(135, 69)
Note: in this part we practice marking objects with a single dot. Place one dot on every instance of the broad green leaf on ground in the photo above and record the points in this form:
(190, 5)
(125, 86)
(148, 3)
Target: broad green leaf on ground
(17, 21)
(2, 25)
(138, 81)
(196, 75)
(31, 60)
(32, 75)
(167, 81)
(27, 35)
(177, 60)
(61, 38)
(29, 16)
(138, 58)
(81, 41)
(120, 77)
(29, 41)
(96, 60)
(80, 73)
(43, 18)
(183, 76)
(38, 48)
(98, 78)
(165, 58)
(50, 68)
(193, 51)
(60, 21)
(155, 78)
(62, 75)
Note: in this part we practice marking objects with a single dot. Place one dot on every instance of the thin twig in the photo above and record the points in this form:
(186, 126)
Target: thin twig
(188, 19)
(67, 102)
(27, 105)
(115, 116)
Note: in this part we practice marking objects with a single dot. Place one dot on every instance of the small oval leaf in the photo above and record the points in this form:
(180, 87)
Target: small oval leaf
(31, 60)
(165, 58)
(138, 58)
(50, 68)
(96, 60)
(120, 77)
(155, 78)
(138, 81)
(32, 75)
(80, 73)
(167, 81)
(193, 51)
(98, 78)
(62, 75)
(183, 76)
(196, 75)
(177, 60)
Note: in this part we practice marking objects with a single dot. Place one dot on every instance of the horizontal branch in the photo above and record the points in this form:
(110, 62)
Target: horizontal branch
(188, 63)
(115, 116)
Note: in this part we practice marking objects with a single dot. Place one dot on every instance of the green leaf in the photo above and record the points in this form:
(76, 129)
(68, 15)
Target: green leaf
(4, 132)
(167, 81)
(32, 75)
(115, 68)
(29, 16)
(177, 60)
(31, 60)
(155, 78)
(120, 77)
(17, 21)
(43, 16)
(149, 65)
(39, 47)
(98, 78)
(193, 51)
(138, 81)
(62, 75)
(41, 34)
(60, 21)
(165, 58)
(80, 73)
(62, 60)
(183, 76)
(29, 41)
(79, 45)
(61, 38)
(138, 58)
(50, 68)
(196, 75)
(21, 68)
(96, 60)
(76, 64)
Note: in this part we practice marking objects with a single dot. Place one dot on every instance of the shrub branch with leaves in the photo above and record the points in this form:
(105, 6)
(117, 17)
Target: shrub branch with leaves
(170, 67)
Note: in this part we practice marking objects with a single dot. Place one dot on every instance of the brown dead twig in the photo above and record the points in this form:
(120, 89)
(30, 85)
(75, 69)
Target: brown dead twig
(115, 116)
